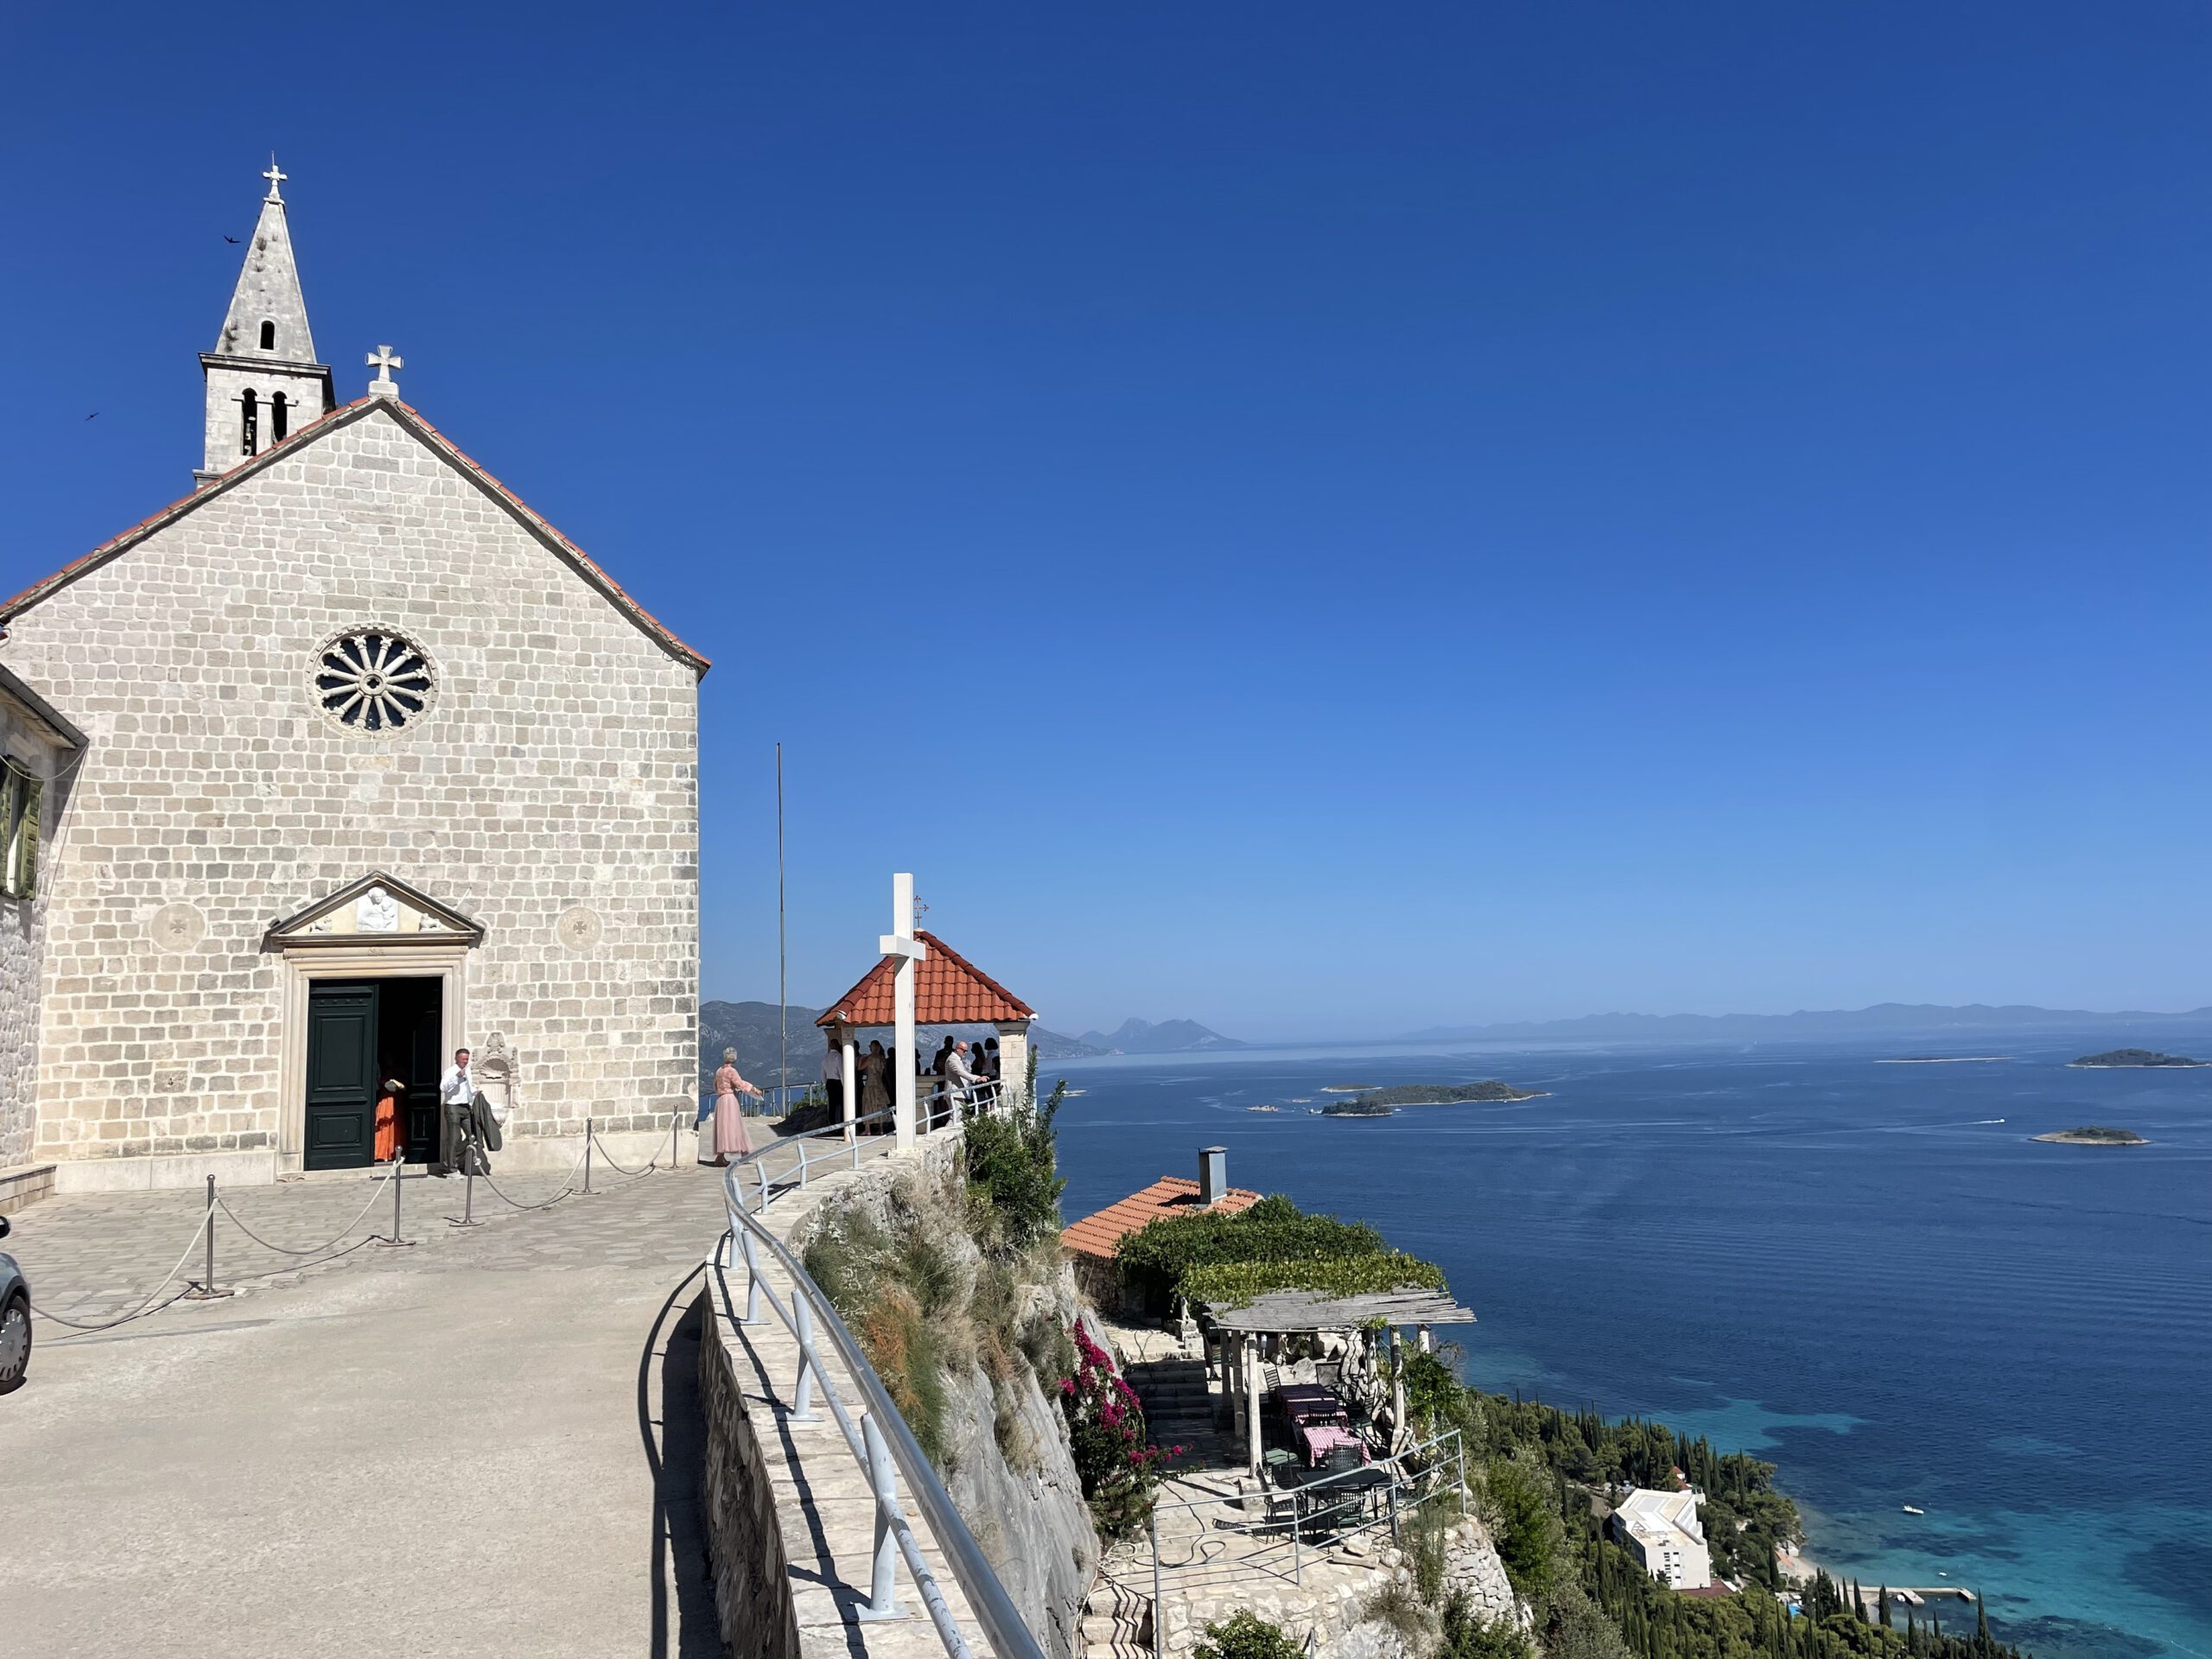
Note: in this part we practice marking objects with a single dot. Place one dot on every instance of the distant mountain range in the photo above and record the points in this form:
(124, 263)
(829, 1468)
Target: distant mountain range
(1168, 1037)
(752, 1029)
(1884, 1017)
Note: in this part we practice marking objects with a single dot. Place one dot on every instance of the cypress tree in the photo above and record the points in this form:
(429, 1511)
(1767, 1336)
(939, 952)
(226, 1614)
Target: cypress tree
(1885, 1612)
(1981, 1622)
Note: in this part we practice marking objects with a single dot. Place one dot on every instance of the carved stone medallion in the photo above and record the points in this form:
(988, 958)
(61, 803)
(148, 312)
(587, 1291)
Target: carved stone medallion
(178, 927)
(578, 927)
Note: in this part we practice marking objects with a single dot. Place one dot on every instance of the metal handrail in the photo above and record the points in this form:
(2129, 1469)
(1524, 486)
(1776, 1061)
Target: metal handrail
(881, 1442)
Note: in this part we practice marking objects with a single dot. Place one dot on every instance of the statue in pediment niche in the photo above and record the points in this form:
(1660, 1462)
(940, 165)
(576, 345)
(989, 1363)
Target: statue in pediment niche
(376, 912)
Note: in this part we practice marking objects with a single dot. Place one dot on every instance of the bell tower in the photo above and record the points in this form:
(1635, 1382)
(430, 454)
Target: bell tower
(262, 380)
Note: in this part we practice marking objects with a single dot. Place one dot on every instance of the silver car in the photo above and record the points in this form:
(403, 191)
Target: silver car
(15, 1321)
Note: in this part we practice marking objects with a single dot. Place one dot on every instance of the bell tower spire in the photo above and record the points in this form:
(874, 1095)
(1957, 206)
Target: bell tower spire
(263, 379)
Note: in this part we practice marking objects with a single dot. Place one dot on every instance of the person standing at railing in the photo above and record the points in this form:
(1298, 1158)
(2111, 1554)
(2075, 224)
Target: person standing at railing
(875, 1084)
(988, 1070)
(833, 1079)
(959, 1079)
(729, 1115)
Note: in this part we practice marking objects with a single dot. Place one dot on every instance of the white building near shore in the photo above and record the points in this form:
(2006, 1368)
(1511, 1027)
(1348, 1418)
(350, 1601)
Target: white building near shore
(1661, 1529)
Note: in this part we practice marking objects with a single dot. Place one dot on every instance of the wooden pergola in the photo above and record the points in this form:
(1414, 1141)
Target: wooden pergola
(1297, 1313)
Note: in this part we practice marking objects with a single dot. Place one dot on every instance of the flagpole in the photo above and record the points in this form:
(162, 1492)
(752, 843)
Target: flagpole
(783, 1000)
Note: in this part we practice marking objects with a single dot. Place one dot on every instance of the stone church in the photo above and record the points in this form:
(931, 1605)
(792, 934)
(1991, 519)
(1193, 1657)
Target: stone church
(345, 761)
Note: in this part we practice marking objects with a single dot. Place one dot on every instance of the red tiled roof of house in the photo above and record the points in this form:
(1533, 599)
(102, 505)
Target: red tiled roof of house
(322, 426)
(949, 990)
(1170, 1195)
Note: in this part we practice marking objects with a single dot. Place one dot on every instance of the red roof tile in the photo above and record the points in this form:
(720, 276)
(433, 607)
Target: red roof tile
(1170, 1195)
(949, 990)
(320, 427)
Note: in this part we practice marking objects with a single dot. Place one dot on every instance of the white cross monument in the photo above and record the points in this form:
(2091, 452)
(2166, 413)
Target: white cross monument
(901, 942)
(274, 178)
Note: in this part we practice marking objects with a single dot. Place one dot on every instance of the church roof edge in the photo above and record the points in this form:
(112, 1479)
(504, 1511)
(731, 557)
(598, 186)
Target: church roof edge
(322, 426)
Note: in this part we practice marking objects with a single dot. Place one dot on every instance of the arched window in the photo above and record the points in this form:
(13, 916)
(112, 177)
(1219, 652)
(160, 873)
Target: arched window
(279, 409)
(250, 405)
(268, 336)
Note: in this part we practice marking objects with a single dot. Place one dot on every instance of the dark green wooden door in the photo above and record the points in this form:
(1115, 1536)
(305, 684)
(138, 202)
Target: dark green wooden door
(341, 1074)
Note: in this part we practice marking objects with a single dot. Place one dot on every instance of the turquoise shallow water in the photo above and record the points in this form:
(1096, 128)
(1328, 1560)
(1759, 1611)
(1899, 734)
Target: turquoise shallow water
(1850, 1268)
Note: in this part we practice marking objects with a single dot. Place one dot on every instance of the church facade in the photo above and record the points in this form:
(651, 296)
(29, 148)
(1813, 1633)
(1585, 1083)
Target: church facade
(376, 765)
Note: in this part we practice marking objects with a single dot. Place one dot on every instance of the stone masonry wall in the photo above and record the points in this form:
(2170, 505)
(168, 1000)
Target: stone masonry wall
(557, 770)
(745, 1540)
(22, 939)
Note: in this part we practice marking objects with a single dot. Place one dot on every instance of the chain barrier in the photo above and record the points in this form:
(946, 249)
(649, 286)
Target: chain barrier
(566, 1187)
(154, 1302)
(146, 1307)
(375, 1193)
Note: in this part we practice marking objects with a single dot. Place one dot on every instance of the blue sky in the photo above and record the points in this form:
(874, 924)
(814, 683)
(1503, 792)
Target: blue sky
(1322, 520)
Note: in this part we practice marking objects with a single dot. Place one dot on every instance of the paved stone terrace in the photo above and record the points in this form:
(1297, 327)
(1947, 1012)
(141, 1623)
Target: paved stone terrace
(488, 1444)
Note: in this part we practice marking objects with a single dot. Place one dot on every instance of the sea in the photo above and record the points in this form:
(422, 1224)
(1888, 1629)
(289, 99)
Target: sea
(1867, 1272)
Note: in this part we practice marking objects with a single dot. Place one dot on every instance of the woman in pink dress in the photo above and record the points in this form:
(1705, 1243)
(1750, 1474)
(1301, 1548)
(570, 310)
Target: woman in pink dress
(729, 1117)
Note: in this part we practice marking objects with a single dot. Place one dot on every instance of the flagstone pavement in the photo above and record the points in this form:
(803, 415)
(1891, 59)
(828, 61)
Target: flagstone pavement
(486, 1442)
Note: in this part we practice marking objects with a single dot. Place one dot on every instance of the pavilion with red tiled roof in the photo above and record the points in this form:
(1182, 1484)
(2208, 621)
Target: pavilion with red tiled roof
(949, 990)
(937, 987)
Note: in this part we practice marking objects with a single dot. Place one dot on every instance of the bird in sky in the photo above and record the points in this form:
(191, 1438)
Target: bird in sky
(94, 416)
(232, 240)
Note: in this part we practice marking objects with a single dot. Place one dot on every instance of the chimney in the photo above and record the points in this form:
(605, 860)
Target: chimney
(1213, 1175)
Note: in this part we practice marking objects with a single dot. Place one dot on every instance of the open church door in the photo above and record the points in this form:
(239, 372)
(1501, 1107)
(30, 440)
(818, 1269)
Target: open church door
(341, 1074)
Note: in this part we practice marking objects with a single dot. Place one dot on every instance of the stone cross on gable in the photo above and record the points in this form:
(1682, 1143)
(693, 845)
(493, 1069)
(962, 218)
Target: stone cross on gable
(901, 943)
(384, 360)
(274, 178)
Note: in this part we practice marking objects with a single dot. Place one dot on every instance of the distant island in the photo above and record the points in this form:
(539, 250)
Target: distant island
(1444, 1094)
(2135, 1056)
(1366, 1106)
(2095, 1135)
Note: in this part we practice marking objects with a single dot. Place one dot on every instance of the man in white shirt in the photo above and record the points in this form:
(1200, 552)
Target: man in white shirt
(457, 1095)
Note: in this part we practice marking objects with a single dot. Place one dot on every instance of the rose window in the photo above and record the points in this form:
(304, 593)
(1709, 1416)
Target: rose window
(373, 680)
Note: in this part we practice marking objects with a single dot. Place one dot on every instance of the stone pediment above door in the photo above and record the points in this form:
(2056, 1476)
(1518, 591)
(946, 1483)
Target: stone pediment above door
(375, 910)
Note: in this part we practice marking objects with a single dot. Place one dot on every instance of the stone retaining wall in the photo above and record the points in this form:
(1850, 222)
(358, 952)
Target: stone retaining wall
(745, 1543)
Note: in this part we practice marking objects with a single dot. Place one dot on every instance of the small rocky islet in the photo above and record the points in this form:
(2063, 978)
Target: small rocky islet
(2134, 1057)
(2094, 1134)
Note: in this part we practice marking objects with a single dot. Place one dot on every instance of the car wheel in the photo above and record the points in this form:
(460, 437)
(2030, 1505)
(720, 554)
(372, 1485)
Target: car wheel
(14, 1342)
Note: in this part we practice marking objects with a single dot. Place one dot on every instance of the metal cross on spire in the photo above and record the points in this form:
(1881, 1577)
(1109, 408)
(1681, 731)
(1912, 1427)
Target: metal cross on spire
(276, 176)
(384, 360)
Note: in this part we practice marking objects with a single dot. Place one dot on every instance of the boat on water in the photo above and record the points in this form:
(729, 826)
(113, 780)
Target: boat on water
(1252, 1109)
(1912, 1509)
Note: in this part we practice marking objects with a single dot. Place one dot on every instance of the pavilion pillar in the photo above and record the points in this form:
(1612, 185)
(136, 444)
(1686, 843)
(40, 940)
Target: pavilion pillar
(1397, 1395)
(1014, 1062)
(1252, 1402)
(852, 1075)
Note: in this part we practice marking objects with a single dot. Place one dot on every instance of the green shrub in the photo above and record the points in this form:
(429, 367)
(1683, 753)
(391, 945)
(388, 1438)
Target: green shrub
(1212, 1257)
(1400, 1607)
(1014, 1179)
(1246, 1636)
(1526, 1526)
(1468, 1634)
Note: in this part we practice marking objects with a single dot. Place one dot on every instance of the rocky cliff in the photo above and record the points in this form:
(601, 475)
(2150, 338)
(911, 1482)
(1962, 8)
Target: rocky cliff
(1000, 1441)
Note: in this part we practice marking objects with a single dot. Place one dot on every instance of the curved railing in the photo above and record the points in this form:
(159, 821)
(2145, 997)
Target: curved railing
(880, 1441)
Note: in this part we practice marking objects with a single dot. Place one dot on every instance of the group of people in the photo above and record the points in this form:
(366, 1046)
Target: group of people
(961, 1071)
(960, 1075)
